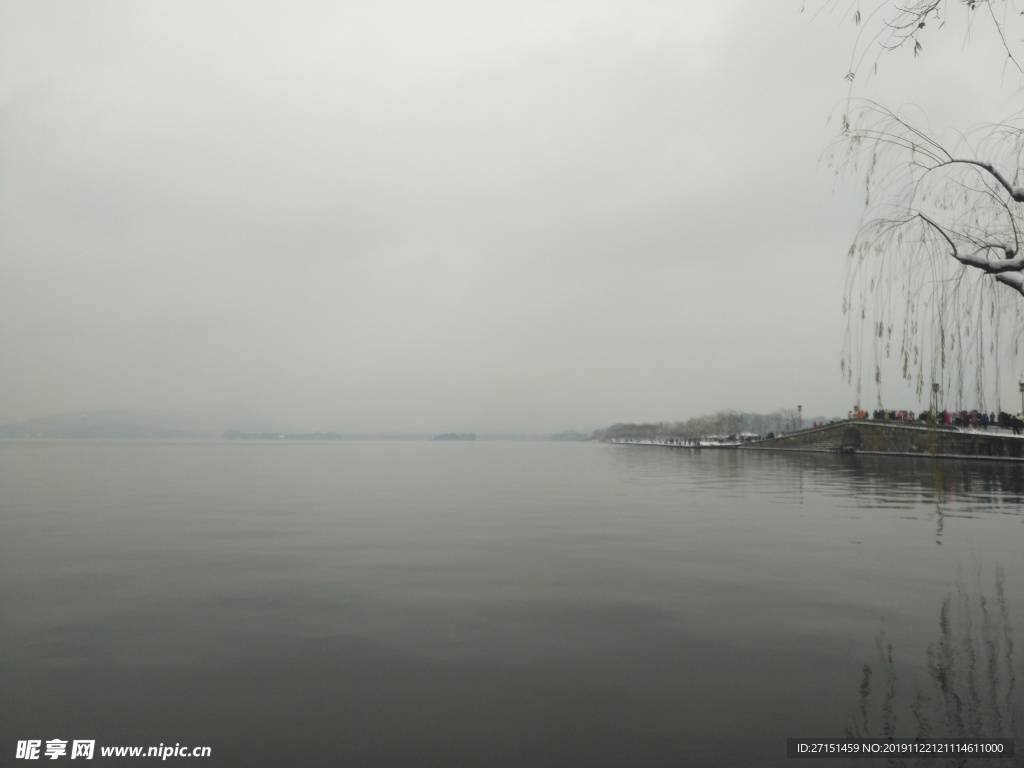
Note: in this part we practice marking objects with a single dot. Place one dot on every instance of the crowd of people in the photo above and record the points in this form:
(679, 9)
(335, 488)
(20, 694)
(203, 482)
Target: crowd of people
(963, 419)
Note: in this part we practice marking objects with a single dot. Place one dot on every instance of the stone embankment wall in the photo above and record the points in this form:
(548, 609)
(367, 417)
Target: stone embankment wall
(894, 438)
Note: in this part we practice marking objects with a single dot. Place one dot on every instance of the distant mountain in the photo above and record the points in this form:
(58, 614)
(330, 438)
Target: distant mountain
(454, 436)
(209, 422)
(570, 437)
(218, 419)
(233, 434)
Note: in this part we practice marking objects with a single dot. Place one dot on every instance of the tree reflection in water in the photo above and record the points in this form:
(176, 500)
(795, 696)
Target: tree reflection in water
(973, 688)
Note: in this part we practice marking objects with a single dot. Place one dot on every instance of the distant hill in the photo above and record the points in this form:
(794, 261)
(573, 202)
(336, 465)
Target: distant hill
(209, 422)
(570, 437)
(233, 434)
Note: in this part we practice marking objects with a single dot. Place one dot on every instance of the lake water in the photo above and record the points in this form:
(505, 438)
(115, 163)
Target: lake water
(502, 603)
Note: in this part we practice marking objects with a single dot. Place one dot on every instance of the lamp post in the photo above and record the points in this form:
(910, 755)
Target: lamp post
(935, 397)
(800, 414)
(1022, 395)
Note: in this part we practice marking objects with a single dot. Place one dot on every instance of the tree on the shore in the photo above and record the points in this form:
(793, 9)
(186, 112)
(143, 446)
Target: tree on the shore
(936, 271)
(722, 423)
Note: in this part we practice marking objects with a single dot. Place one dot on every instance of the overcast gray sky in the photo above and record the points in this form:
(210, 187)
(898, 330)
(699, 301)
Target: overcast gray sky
(490, 216)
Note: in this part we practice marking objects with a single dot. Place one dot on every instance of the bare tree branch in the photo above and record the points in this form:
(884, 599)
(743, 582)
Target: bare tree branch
(941, 233)
(935, 217)
(896, 24)
(977, 260)
(1016, 192)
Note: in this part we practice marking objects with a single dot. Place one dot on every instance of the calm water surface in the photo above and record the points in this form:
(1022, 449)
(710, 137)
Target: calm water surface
(501, 603)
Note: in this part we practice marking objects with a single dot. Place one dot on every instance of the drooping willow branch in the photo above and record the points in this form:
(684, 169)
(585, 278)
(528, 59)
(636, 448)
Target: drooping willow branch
(941, 235)
(978, 260)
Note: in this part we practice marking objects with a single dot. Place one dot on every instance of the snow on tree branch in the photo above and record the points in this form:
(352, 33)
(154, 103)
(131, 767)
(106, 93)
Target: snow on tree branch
(939, 245)
(980, 261)
(1014, 280)
(1016, 192)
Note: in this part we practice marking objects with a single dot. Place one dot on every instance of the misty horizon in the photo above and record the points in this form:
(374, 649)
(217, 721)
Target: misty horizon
(233, 416)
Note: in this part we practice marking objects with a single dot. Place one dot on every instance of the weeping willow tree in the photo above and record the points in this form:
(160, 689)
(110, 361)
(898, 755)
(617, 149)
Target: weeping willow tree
(935, 278)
